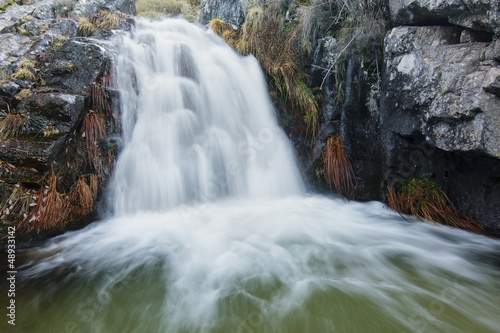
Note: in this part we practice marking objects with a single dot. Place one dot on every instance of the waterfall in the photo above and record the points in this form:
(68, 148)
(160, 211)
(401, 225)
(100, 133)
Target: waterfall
(198, 122)
(213, 232)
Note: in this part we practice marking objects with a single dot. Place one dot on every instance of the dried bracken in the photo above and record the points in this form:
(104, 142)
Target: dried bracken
(426, 201)
(99, 99)
(338, 168)
(52, 208)
(93, 129)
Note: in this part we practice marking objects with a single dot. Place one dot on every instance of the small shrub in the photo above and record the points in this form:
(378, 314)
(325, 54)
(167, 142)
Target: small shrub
(338, 168)
(425, 200)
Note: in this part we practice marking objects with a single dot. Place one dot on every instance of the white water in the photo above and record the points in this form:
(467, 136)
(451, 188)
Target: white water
(197, 122)
(213, 232)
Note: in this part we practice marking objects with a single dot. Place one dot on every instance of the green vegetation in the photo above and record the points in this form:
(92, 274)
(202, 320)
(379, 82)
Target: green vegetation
(157, 9)
(101, 20)
(338, 169)
(425, 200)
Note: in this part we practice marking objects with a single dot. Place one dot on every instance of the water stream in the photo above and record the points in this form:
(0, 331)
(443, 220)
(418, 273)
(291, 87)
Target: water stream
(213, 231)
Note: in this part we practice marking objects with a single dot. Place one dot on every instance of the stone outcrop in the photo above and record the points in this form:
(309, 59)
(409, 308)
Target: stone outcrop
(473, 14)
(441, 117)
(230, 11)
(435, 112)
(51, 79)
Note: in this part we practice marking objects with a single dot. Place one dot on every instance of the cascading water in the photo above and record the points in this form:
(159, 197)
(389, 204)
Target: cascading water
(198, 124)
(213, 233)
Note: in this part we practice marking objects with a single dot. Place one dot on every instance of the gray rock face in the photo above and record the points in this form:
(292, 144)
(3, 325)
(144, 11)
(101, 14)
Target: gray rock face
(474, 14)
(443, 87)
(440, 116)
(230, 11)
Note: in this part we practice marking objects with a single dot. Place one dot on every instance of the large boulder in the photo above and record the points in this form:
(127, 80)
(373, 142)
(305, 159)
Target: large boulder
(230, 11)
(474, 14)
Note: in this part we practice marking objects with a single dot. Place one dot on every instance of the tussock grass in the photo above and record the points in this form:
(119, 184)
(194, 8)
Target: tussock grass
(425, 200)
(24, 74)
(26, 63)
(23, 94)
(82, 198)
(10, 126)
(338, 168)
(85, 27)
(106, 20)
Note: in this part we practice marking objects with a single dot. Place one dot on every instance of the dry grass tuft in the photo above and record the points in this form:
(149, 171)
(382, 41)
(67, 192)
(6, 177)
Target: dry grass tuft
(24, 74)
(53, 208)
(85, 28)
(219, 27)
(106, 20)
(426, 201)
(10, 126)
(26, 63)
(338, 169)
(23, 94)
(82, 199)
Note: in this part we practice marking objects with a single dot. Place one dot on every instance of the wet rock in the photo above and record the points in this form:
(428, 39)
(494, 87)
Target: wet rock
(26, 153)
(478, 15)
(76, 65)
(51, 114)
(63, 28)
(230, 11)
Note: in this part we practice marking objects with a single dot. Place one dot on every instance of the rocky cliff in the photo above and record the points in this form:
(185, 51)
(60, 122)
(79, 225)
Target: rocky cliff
(426, 104)
(59, 124)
